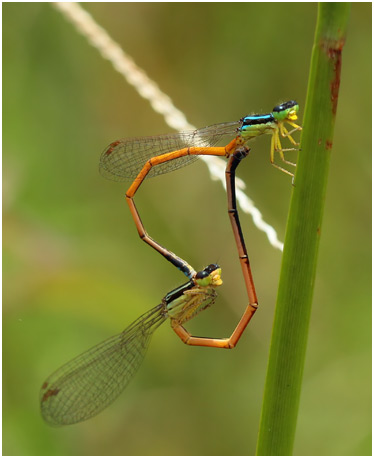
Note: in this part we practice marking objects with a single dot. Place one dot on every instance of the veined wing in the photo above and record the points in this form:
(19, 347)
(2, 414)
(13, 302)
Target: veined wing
(90, 382)
(123, 159)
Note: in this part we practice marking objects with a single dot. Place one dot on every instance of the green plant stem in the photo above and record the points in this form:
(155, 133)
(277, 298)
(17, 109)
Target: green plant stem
(291, 322)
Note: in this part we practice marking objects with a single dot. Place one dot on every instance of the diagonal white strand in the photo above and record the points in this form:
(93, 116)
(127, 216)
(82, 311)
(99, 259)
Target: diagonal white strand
(160, 102)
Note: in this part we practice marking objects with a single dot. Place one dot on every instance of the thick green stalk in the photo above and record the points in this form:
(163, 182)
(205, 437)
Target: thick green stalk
(291, 322)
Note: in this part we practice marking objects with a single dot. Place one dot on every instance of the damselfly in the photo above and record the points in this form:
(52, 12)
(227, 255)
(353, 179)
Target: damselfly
(137, 158)
(90, 382)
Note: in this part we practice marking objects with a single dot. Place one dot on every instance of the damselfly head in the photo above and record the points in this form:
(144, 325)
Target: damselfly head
(287, 111)
(210, 276)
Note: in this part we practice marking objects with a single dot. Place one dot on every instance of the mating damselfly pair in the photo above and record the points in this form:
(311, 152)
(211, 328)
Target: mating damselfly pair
(84, 386)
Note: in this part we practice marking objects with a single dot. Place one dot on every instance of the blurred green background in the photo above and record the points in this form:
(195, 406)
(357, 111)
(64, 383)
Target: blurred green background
(75, 271)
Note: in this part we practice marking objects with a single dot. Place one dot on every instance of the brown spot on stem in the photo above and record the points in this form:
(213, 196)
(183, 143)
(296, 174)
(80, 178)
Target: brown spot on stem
(328, 144)
(333, 50)
(335, 83)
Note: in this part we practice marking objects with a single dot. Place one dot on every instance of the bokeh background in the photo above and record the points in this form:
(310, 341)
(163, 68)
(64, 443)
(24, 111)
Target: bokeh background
(75, 271)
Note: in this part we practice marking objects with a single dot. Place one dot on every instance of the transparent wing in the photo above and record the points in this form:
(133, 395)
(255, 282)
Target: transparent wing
(90, 382)
(123, 159)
